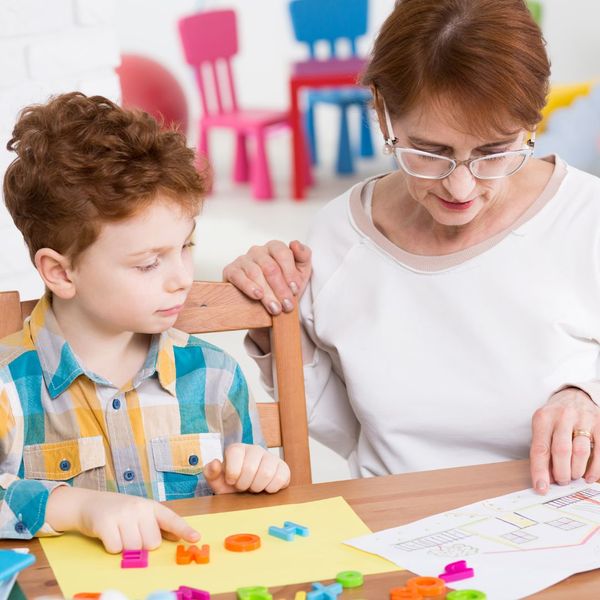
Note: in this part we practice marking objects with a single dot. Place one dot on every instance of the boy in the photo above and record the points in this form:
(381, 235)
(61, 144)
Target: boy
(102, 405)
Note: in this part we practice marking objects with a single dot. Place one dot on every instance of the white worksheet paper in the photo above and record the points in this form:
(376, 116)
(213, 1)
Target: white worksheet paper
(518, 544)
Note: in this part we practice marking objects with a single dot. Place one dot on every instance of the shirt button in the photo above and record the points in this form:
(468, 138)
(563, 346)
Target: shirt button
(20, 527)
(193, 460)
(129, 475)
(64, 465)
(116, 403)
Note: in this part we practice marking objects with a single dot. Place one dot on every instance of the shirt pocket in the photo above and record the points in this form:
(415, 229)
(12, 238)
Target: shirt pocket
(179, 460)
(81, 462)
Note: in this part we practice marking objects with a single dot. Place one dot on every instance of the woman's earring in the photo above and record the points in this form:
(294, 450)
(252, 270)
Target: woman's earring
(388, 148)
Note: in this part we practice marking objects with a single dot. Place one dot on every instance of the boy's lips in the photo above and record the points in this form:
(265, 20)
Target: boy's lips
(167, 312)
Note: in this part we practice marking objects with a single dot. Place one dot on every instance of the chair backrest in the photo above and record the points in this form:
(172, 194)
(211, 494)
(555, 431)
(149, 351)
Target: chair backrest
(329, 20)
(212, 307)
(209, 42)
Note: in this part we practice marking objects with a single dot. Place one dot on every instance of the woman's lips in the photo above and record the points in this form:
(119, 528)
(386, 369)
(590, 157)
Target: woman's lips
(456, 206)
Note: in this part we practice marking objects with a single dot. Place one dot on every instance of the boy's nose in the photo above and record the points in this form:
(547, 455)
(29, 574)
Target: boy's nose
(181, 278)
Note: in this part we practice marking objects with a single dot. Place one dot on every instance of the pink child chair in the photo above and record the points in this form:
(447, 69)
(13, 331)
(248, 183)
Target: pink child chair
(208, 38)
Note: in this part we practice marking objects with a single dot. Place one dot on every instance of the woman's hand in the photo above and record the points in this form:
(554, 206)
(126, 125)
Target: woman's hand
(559, 451)
(273, 273)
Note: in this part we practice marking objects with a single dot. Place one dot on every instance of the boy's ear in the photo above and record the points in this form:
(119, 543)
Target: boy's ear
(55, 270)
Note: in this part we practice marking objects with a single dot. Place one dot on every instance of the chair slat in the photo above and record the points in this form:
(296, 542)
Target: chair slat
(268, 413)
(214, 307)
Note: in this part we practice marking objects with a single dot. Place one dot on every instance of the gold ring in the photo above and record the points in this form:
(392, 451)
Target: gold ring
(584, 433)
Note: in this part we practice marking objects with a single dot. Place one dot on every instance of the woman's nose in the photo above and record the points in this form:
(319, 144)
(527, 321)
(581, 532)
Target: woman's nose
(460, 183)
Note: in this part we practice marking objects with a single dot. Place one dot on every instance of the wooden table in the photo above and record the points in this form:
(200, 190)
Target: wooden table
(314, 74)
(381, 502)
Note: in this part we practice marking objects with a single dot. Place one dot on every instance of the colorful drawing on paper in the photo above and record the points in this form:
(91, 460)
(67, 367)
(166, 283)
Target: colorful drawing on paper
(539, 540)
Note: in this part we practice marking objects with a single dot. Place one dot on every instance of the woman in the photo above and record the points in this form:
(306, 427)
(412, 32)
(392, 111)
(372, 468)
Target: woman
(455, 298)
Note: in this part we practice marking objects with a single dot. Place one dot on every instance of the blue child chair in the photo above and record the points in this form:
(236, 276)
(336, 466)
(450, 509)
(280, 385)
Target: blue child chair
(332, 21)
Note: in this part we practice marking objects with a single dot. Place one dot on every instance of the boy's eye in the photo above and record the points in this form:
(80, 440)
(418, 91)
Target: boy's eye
(189, 244)
(147, 268)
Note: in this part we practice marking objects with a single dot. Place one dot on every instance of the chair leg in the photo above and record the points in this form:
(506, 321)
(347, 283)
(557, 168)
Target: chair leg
(261, 178)
(344, 160)
(240, 166)
(203, 142)
(366, 143)
(311, 134)
(203, 163)
(306, 166)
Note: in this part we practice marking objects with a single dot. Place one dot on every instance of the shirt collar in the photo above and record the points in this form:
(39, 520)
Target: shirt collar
(60, 365)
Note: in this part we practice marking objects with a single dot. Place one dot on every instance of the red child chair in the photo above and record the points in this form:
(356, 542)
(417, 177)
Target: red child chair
(210, 38)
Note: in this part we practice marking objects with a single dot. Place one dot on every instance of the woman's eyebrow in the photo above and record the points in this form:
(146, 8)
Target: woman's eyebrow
(504, 142)
(418, 141)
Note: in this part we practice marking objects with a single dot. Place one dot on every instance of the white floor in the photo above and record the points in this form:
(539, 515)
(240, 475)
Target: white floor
(232, 221)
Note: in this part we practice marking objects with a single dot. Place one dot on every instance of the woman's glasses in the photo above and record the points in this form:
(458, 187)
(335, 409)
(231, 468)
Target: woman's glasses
(426, 165)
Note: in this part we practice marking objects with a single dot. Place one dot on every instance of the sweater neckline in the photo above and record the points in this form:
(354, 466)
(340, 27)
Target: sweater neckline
(360, 211)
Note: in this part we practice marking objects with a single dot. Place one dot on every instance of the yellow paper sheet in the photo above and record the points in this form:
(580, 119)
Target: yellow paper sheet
(81, 565)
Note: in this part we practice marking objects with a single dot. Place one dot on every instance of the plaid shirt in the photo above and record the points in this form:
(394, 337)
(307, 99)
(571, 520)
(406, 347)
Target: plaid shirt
(61, 424)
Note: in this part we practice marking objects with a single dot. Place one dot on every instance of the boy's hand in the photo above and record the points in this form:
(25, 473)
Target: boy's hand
(247, 468)
(119, 521)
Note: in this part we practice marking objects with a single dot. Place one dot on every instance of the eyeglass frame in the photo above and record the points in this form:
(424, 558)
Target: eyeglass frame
(390, 147)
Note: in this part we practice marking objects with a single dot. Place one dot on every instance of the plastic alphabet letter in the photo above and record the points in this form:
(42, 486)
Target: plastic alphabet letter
(134, 559)
(456, 571)
(289, 531)
(322, 592)
(193, 553)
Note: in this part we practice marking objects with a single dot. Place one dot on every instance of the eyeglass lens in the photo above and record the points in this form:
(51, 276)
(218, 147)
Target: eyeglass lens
(437, 166)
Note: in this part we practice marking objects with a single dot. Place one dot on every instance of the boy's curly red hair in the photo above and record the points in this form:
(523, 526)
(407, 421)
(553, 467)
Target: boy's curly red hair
(84, 161)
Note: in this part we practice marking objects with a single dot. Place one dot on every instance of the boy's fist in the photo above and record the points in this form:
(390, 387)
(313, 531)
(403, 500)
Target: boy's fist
(247, 468)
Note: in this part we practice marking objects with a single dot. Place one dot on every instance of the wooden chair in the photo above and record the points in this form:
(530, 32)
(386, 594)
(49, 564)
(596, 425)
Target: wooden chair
(212, 307)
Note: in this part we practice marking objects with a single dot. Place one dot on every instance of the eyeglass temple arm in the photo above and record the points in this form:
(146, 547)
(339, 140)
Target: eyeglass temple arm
(391, 140)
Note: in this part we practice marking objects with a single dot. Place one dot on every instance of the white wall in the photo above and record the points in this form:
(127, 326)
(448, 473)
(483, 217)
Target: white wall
(47, 48)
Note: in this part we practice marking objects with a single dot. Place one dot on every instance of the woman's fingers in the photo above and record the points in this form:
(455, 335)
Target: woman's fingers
(582, 448)
(273, 273)
(592, 473)
(562, 445)
(539, 454)
(278, 294)
(292, 263)
(237, 273)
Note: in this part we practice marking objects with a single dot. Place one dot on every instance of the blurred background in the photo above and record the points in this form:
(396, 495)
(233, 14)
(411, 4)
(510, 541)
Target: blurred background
(132, 51)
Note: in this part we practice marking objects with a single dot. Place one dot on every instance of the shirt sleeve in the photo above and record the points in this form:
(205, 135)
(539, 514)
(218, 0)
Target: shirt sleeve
(591, 388)
(239, 414)
(331, 418)
(22, 501)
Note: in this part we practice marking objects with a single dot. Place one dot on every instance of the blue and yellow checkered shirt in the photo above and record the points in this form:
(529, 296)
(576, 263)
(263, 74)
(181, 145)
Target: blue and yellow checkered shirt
(61, 424)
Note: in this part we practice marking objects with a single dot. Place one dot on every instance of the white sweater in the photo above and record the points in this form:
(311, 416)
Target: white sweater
(431, 362)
